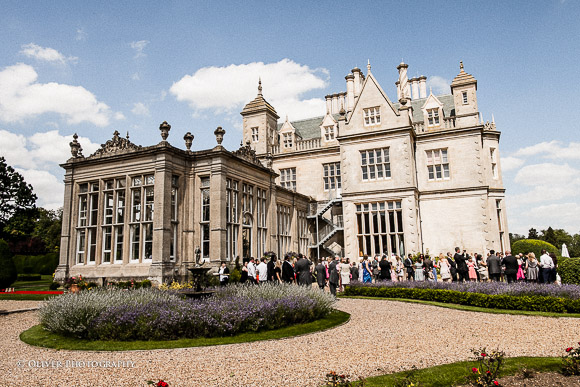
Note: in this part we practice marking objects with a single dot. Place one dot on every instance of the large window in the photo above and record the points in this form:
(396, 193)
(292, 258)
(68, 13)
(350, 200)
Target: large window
(331, 176)
(247, 220)
(119, 227)
(232, 219)
(174, 218)
(88, 211)
(302, 233)
(380, 228)
(375, 164)
(499, 223)
(141, 225)
(284, 225)
(433, 117)
(437, 164)
(372, 116)
(204, 219)
(288, 178)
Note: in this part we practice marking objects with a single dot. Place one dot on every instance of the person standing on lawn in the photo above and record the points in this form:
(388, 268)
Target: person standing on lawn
(460, 261)
(494, 266)
(511, 267)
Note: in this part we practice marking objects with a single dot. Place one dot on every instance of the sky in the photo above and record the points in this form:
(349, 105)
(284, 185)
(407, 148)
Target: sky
(95, 67)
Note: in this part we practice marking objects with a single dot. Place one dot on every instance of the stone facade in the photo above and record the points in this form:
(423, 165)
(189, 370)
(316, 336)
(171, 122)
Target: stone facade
(133, 212)
(419, 174)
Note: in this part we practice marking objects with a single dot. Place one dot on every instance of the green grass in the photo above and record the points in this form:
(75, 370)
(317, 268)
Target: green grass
(43, 284)
(26, 297)
(470, 308)
(455, 373)
(39, 337)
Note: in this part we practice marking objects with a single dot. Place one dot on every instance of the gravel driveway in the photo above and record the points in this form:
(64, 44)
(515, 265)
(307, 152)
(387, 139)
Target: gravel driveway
(381, 337)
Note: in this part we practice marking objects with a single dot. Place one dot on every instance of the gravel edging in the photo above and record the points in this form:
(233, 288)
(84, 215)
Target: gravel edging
(381, 337)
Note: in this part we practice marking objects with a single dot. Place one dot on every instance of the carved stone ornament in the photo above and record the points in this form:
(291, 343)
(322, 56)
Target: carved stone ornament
(247, 153)
(188, 140)
(75, 147)
(219, 135)
(116, 144)
(164, 128)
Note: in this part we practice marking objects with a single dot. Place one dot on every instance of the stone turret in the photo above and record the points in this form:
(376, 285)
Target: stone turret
(260, 122)
(463, 88)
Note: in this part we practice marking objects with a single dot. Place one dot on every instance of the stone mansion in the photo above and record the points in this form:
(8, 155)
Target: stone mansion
(371, 176)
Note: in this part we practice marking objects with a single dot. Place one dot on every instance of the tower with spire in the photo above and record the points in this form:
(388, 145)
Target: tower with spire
(259, 124)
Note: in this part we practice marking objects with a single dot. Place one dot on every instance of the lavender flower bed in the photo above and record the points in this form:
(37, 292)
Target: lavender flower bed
(149, 314)
(489, 288)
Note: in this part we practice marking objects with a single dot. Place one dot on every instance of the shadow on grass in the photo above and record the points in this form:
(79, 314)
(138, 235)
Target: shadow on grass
(37, 336)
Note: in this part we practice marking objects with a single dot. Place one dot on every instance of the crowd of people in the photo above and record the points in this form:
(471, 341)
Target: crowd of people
(338, 272)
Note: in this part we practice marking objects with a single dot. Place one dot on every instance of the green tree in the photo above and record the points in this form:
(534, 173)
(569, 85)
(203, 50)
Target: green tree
(515, 237)
(574, 246)
(533, 233)
(48, 227)
(15, 193)
(549, 236)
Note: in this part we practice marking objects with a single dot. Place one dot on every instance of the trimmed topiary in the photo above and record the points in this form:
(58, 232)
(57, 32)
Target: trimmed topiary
(7, 268)
(569, 270)
(535, 246)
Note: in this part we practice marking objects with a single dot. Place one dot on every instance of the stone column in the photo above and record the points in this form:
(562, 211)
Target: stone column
(217, 214)
(161, 267)
(67, 245)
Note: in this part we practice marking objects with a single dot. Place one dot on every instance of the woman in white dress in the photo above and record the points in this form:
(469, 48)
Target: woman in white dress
(344, 273)
(444, 268)
(360, 269)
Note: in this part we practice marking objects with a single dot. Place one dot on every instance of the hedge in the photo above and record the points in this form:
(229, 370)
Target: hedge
(535, 246)
(29, 277)
(569, 270)
(7, 269)
(529, 303)
(37, 264)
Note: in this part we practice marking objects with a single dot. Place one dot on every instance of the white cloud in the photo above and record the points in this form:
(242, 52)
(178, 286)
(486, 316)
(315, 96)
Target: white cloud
(119, 116)
(139, 46)
(81, 34)
(438, 85)
(551, 150)
(37, 158)
(46, 54)
(135, 77)
(228, 89)
(548, 174)
(21, 97)
(140, 109)
(510, 163)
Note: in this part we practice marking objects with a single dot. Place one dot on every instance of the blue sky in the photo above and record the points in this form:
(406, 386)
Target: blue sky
(96, 67)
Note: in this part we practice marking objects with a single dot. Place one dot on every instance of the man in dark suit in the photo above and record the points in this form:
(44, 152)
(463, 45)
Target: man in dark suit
(271, 266)
(385, 269)
(320, 271)
(287, 270)
(409, 268)
(494, 266)
(461, 265)
(452, 267)
(511, 267)
(302, 269)
(333, 278)
(427, 267)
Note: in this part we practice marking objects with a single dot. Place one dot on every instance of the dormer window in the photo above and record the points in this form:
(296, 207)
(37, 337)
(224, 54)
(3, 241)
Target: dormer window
(464, 95)
(372, 116)
(329, 133)
(433, 117)
(287, 140)
(255, 134)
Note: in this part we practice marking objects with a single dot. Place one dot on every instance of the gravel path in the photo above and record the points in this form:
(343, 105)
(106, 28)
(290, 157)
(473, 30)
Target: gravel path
(9, 305)
(381, 337)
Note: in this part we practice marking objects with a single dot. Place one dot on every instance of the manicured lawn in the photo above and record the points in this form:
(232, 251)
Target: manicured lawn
(39, 337)
(471, 308)
(455, 373)
(43, 284)
(26, 297)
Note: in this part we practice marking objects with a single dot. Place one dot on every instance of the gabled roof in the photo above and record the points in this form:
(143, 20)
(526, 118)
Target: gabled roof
(308, 128)
(417, 104)
(378, 86)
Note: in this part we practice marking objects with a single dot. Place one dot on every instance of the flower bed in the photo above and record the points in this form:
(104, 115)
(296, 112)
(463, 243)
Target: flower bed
(520, 296)
(150, 314)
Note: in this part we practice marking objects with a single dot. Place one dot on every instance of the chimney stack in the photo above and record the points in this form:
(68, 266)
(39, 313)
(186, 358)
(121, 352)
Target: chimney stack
(404, 81)
(349, 92)
(415, 88)
(357, 81)
(423, 86)
(328, 103)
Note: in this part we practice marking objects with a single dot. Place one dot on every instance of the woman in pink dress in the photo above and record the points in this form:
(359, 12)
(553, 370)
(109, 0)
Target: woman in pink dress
(520, 276)
(471, 270)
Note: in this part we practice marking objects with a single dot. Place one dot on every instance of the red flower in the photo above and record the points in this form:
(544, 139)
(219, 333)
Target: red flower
(474, 370)
(496, 382)
(483, 355)
(162, 384)
(488, 372)
(569, 349)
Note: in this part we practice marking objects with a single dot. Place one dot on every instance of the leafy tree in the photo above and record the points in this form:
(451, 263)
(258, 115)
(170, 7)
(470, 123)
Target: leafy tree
(515, 237)
(48, 227)
(574, 246)
(549, 236)
(533, 233)
(15, 193)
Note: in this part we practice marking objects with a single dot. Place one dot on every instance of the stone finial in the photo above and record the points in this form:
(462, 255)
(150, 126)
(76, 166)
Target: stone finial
(219, 135)
(164, 128)
(369, 66)
(461, 66)
(127, 137)
(188, 140)
(75, 146)
(260, 86)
